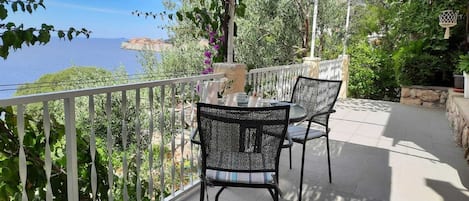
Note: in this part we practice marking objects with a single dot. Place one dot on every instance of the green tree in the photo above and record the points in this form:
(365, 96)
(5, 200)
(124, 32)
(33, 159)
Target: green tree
(75, 77)
(279, 32)
(269, 34)
(15, 35)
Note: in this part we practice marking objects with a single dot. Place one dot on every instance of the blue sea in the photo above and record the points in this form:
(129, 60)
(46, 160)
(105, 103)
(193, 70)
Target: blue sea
(26, 65)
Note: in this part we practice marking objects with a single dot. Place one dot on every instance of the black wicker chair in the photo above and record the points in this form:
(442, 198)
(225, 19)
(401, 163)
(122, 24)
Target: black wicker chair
(318, 98)
(240, 147)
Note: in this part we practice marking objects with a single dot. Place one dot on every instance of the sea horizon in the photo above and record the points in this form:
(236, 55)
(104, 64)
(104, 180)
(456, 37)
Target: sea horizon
(28, 64)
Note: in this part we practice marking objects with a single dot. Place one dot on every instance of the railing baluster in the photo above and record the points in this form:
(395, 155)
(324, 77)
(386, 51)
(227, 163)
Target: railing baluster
(183, 97)
(124, 144)
(137, 134)
(270, 84)
(71, 146)
(192, 87)
(110, 143)
(47, 156)
(173, 144)
(92, 147)
(150, 144)
(22, 156)
(162, 142)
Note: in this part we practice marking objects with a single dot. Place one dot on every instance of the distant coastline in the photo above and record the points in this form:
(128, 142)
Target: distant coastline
(156, 45)
(28, 64)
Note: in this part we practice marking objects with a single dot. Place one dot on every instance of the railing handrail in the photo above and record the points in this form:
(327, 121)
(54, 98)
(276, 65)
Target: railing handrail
(100, 90)
(276, 68)
(331, 60)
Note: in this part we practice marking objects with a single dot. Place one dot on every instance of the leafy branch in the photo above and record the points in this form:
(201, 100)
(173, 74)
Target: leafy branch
(14, 36)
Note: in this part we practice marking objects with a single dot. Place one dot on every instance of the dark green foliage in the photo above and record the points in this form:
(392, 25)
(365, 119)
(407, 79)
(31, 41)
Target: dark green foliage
(463, 63)
(416, 67)
(411, 46)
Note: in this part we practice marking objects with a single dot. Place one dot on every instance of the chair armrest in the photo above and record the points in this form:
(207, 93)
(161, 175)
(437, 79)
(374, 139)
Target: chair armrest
(194, 135)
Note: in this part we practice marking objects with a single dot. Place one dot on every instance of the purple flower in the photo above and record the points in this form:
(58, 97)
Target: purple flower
(211, 40)
(216, 47)
(208, 61)
(208, 70)
(208, 54)
(212, 34)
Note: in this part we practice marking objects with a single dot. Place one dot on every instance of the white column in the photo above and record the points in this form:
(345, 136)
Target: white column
(347, 24)
(313, 32)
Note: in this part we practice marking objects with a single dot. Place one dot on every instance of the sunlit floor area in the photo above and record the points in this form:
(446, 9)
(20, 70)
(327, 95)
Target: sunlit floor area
(379, 151)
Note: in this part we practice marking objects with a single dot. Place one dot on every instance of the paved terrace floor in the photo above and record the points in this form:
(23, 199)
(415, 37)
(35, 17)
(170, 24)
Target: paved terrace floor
(380, 151)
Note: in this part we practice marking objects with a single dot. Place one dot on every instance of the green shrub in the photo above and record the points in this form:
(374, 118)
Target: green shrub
(463, 64)
(371, 73)
(414, 65)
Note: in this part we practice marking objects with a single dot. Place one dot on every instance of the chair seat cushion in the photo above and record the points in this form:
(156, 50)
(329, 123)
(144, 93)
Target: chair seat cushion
(240, 177)
(297, 133)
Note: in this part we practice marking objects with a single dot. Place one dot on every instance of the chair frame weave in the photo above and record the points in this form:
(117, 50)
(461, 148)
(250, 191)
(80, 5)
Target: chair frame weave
(235, 138)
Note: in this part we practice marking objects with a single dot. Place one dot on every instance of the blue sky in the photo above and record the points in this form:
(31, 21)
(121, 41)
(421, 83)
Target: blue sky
(105, 18)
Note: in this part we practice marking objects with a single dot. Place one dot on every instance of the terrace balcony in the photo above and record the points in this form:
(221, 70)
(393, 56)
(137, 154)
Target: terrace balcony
(131, 142)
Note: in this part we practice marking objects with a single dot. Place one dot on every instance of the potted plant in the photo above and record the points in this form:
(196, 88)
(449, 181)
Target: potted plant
(458, 78)
(463, 66)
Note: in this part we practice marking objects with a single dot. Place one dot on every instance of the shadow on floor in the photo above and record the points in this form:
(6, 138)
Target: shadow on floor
(447, 191)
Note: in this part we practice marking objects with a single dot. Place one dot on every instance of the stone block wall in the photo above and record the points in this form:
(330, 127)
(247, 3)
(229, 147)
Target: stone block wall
(457, 111)
(433, 97)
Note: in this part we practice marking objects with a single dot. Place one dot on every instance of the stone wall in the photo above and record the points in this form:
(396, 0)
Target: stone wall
(457, 111)
(434, 97)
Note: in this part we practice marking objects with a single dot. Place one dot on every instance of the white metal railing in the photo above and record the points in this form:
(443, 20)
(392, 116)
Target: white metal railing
(331, 69)
(276, 82)
(148, 122)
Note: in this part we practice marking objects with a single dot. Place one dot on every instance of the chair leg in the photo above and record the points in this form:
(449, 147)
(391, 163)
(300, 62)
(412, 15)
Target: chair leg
(219, 192)
(302, 170)
(276, 195)
(272, 193)
(329, 160)
(289, 148)
(202, 190)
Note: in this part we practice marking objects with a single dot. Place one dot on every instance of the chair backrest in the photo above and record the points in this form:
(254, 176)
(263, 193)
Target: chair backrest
(241, 139)
(316, 96)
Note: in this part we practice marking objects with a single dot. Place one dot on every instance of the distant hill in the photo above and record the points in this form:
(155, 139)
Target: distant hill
(145, 44)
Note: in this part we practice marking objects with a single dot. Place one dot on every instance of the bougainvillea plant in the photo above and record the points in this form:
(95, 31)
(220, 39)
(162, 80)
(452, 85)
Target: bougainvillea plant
(211, 18)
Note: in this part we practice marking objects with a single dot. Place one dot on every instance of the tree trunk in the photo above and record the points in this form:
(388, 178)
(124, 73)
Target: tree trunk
(226, 18)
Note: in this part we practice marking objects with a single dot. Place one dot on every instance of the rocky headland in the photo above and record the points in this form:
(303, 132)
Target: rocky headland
(156, 45)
